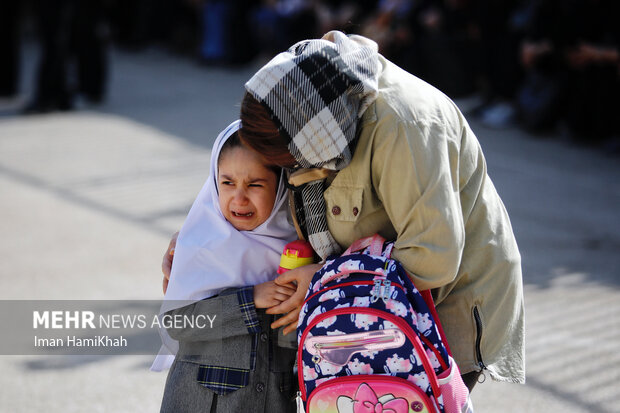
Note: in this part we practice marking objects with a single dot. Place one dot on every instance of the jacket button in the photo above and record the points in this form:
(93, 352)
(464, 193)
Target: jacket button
(260, 387)
(263, 337)
(336, 210)
(355, 211)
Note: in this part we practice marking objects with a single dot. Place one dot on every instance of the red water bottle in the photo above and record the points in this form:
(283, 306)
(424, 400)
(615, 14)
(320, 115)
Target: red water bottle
(295, 254)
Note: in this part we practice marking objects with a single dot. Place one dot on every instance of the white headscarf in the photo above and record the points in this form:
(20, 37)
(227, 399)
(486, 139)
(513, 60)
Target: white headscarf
(211, 255)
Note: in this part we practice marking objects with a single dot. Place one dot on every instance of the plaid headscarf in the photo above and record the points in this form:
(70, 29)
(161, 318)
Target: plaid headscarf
(316, 92)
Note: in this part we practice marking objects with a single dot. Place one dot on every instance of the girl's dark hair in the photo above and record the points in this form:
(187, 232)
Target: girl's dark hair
(234, 141)
(259, 132)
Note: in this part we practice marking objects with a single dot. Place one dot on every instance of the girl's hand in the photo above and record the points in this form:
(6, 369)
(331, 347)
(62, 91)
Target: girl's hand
(292, 306)
(269, 294)
(166, 264)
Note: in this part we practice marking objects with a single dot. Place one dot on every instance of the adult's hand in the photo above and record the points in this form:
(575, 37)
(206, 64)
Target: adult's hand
(166, 264)
(292, 306)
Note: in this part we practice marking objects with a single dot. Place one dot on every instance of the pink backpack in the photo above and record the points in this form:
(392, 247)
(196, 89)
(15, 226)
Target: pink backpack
(369, 341)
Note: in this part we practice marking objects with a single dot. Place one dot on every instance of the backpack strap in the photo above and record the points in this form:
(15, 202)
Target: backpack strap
(303, 176)
(428, 298)
(375, 243)
(293, 215)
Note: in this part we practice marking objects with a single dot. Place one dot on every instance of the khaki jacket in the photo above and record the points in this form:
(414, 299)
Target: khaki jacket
(418, 176)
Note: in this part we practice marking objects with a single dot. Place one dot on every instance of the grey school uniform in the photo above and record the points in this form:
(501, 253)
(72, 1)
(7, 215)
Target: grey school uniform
(243, 370)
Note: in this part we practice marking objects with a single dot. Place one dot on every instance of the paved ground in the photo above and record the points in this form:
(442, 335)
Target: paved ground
(89, 199)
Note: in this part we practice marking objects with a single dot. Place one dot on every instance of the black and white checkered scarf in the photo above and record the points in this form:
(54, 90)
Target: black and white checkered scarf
(316, 92)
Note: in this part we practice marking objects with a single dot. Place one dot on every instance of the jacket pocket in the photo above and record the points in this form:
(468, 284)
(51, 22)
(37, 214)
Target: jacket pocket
(182, 392)
(222, 380)
(344, 203)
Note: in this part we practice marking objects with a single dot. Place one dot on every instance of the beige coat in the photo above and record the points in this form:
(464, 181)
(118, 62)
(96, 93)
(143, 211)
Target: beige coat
(418, 176)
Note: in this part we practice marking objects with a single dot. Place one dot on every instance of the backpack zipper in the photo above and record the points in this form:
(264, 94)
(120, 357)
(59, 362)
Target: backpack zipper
(299, 403)
(347, 284)
(381, 290)
(355, 343)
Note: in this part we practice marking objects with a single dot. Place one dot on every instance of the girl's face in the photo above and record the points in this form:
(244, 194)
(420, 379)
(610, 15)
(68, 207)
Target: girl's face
(247, 188)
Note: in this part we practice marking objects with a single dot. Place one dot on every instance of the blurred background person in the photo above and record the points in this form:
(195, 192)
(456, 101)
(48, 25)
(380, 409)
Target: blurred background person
(572, 64)
(499, 28)
(437, 40)
(73, 40)
(279, 23)
(10, 39)
(226, 32)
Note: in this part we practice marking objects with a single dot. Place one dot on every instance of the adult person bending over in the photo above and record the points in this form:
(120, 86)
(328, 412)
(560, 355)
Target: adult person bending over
(391, 154)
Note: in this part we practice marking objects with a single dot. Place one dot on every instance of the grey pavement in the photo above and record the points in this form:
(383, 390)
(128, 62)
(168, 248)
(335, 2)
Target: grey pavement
(88, 200)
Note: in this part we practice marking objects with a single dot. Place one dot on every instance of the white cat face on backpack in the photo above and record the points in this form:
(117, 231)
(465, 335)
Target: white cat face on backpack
(351, 265)
(397, 364)
(358, 367)
(327, 322)
(432, 357)
(364, 321)
(309, 372)
(424, 322)
(415, 359)
(334, 294)
(361, 302)
(328, 369)
(420, 380)
(397, 308)
(387, 325)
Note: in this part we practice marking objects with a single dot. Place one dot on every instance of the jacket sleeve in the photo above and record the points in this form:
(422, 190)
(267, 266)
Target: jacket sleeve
(234, 312)
(415, 176)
